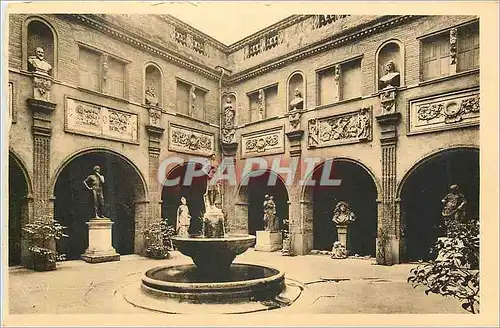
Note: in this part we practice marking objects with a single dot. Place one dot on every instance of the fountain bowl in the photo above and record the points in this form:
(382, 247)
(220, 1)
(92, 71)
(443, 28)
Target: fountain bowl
(213, 256)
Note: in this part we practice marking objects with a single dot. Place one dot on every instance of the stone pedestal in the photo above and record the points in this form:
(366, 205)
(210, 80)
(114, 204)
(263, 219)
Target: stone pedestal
(268, 241)
(100, 248)
(213, 223)
(342, 235)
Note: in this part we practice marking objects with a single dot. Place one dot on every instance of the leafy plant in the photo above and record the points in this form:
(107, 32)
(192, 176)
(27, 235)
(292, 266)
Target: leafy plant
(383, 255)
(157, 235)
(40, 233)
(455, 271)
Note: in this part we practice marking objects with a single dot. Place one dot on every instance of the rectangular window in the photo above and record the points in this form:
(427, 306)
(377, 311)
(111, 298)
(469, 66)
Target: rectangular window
(199, 111)
(89, 63)
(351, 80)
(115, 82)
(436, 56)
(254, 106)
(468, 48)
(270, 107)
(326, 86)
(273, 107)
(183, 97)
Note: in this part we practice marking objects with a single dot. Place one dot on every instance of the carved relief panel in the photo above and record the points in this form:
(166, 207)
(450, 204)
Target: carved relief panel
(262, 143)
(192, 141)
(340, 129)
(444, 112)
(99, 121)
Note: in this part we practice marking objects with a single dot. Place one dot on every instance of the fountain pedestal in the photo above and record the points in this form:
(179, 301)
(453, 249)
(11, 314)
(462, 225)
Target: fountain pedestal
(269, 241)
(100, 248)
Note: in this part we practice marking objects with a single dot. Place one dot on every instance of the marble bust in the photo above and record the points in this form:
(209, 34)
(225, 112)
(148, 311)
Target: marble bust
(150, 96)
(391, 77)
(38, 63)
(297, 102)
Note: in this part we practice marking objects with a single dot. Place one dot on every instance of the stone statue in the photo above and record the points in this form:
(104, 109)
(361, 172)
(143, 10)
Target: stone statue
(391, 77)
(454, 204)
(95, 182)
(150, 96)
(228, 113)
(183, 218)
(192, 93)
(297, 102)
(38, 63)
(339, 251)
(261, 102)
(342, 214)
(213, 185)
(270, 222)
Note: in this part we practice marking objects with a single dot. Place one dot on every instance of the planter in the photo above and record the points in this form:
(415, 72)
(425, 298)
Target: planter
(42, 263)
(158, 254)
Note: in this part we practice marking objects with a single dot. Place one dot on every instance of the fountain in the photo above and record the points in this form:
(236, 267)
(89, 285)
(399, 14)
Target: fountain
(213, 278)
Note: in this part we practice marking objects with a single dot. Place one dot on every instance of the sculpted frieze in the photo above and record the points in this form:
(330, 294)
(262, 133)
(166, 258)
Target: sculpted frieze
(339, 129)
(444, 112)
(189, 140)
(263, 143)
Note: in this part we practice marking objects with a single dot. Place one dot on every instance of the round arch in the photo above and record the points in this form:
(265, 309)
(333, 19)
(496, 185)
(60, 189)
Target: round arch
(125, 197)
(250, 198)
(304, 84)
(422, 190)
(22, 165)
(24, 44)
(401, 61)
(358, 187)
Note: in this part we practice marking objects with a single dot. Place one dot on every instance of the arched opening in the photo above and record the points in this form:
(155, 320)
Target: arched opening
(18, 209)
(424, 188)
(193, 192)
(253, 195)
(73, 207)
(390, 51)
(153, 85)
(40, 34)
(358, 189)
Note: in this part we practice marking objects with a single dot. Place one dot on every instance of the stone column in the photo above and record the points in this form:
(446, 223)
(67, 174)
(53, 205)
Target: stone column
(155, 132)
(388, 234)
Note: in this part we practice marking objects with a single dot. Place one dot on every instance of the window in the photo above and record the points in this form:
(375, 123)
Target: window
(264, 103)
(438, 52)
(101, 72)
(189, 104)
(339, 82)
(468, 48)
(436, 57)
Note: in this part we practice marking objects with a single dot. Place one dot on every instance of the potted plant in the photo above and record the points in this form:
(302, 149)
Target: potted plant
(157, 235)
(41, 234)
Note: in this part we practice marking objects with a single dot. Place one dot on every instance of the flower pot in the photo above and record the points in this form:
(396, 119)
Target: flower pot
(42, 263)
(157, 254)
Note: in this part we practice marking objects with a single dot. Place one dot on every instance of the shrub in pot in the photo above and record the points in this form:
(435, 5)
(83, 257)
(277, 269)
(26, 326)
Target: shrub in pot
(157, 235)
(41, 235)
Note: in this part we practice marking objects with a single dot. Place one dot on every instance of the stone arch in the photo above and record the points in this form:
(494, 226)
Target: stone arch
(421, 191)
(294, 80)
(359, 187)
(20, 207)
(392, 49)
(125, 195)
(52, 55)
(248, 213)
(153, 71)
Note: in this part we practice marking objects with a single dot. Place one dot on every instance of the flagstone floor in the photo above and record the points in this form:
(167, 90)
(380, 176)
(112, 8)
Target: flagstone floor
(331, 286)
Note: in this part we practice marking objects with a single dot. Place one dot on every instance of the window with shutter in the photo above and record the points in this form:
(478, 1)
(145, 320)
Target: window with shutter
(468, 48)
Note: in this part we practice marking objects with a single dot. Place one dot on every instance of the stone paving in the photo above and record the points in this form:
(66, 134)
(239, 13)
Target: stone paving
(347, 286)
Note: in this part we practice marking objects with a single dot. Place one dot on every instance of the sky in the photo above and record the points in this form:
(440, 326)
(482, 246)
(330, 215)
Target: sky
(227, 23)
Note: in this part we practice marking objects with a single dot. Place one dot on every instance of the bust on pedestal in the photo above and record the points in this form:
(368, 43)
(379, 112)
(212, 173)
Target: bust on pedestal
(270, 239)
(100, 247)
(342, 217)
(213, 219)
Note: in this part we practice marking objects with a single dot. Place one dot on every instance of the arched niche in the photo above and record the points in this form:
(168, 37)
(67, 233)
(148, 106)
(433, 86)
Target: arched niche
(37, 32)
(391, 50)
(296, 81)
(153, 78)
(229, 119)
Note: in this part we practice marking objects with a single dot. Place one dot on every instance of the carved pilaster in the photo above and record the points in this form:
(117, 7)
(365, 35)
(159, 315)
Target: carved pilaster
(453, 51)
(262, 104)
(295, 139)
(42, 112)
(155, 134)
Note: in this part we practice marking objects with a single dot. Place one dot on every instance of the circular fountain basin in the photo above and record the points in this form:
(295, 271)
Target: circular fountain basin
(240, 283)
(213, 255)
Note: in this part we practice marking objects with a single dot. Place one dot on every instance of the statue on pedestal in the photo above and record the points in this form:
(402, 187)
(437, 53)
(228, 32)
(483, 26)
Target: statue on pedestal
(342, 214)
(454, 204)
(270, 222)
(213, 185)
(150, 96)
(342, 217)
(38, 63)
(95, 182)
(183, 218)
(228, 113)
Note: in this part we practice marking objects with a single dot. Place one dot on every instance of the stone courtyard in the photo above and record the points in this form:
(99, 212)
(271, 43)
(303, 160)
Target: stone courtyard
(331, 286)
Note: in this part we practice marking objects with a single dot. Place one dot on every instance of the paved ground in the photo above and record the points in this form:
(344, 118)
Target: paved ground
(78, 287)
